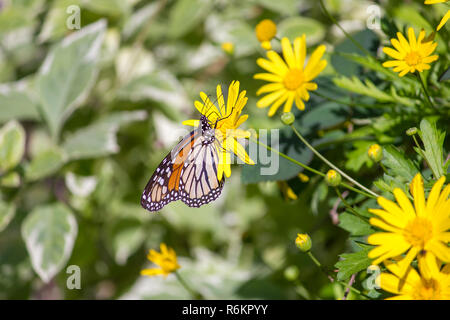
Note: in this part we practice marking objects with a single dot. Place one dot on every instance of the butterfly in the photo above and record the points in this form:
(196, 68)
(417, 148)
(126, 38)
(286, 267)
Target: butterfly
(188, 173)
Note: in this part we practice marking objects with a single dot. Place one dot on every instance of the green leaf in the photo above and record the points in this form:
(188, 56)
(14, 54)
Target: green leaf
(124, 238)
(49, 233)
(445, 75)
(285, 7)
(186, 15)
(10, 180)
(113, 8)
(358, 157)
(44, 164)
(54, 26)
(16, 103)
(318, 117)
(352, 263)
(161, 86)
(12, 145)
(367, 39)
(355, 225)
(68, 73)
(433, 142)
(99, 138)
(375, 65)
(7, 212)
(367, 88)
(397, 164)
(296, 26)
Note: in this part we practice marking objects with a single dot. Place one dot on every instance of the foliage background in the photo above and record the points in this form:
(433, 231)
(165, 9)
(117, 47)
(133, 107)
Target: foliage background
(86, 120)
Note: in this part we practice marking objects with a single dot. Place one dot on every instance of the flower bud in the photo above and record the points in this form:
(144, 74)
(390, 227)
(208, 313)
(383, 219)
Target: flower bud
(303, 242)
(333, 178)
(291, 273)
(266, 30)
(411, 131)
(375, 153)
(228, 47)
(287, 118)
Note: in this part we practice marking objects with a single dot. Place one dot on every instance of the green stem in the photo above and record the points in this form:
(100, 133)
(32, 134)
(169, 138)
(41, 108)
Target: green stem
(356, 43)
(425, 91)
(345, 185)
(346, 103)
(348, 206)
(192, 292)
(332, 276)
(330, 164)
(418, 147)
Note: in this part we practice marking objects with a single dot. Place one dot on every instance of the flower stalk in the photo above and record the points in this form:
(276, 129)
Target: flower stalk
(297, 133)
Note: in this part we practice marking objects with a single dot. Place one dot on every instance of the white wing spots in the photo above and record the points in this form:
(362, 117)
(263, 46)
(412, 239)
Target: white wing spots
(198, 183)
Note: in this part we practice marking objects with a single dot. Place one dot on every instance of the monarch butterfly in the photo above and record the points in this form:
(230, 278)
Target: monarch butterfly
(188, 173)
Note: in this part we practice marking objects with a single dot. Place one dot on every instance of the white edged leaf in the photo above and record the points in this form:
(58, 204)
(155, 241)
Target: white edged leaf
(49, 233)
(12, 145)
(68, 73)
(99, 138)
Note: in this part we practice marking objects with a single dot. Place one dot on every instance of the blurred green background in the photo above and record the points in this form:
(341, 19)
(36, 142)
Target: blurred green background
(89, 114)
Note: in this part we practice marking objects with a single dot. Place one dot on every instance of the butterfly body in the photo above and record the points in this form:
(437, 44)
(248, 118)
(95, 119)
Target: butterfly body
(188, 173)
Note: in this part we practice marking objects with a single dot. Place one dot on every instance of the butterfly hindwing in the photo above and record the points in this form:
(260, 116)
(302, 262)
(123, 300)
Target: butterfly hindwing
(188, 173)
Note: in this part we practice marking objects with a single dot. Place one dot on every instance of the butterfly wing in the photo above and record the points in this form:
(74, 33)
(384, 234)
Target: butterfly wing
(188, 173)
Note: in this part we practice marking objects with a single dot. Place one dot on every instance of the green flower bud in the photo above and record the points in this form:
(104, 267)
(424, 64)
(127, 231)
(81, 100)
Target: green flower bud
(411, 131)
(303, 242)
(333, 178)
(291, 273)
(375, 153)
(288, 118)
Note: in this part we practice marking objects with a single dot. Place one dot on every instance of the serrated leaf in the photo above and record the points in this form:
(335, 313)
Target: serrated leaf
(7, 212)
(355, 225)
(398, 165)
(358, 157)
(99, 138)
(68, 73)
(49, 233)
(12, 145)
(375, 65)
(367, 39)
(44, 164)
(318, 117)
(355, 85)
(433, 142)
(352, 263)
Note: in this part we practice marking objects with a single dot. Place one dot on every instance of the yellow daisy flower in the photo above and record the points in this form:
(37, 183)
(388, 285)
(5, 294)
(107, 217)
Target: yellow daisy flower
(290, 78)
(166, 260)
(446, 16)
(433, 283)
(410, 55)
(413, 229)
(226, 120)
(265, 31)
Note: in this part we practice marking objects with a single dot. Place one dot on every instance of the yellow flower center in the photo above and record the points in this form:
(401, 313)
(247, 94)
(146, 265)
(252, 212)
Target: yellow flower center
(427, 290)
(412, 58)
(265, 30)
(293, 79)
(418, 232)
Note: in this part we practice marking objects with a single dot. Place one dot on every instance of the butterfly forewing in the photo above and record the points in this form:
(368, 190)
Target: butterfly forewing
(187, 173)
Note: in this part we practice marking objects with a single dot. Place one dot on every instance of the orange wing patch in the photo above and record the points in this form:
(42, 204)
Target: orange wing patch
(174, 181)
